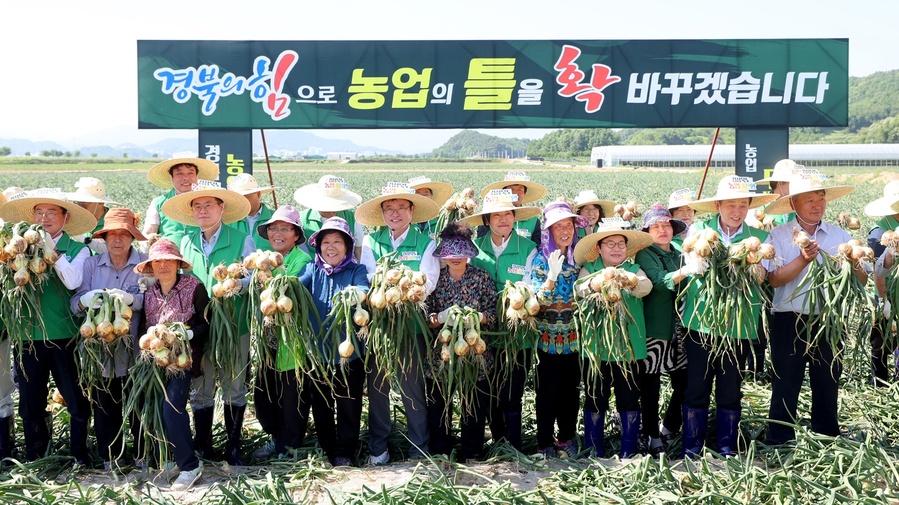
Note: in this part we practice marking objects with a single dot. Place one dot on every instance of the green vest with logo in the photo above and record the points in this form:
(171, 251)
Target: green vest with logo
(169, 228)
(525, 227)
(59, 322)
(312, 222)
(510, 266)
(243, 226)
(228, 249)
(887, 223)
(410, 252)
(636, 326)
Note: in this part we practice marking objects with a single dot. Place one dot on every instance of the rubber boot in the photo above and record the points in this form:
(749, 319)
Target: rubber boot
(78, 440)
(727, 430)
(512, 420)
(695, 425)
(203, 432)
(6, 438)
(37, 439)
(594, 438)
(233, 428)
(630, 433)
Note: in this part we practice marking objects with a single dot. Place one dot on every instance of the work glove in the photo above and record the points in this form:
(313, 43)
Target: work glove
(694, 265)
(555, 262)
(441, 317)
(88, 298)
(887, 309)
(126, 296)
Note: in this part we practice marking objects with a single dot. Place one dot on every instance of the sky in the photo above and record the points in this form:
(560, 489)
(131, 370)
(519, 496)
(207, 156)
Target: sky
(70, 68)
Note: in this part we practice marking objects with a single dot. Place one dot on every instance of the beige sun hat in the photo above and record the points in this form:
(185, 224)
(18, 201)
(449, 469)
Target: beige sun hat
(809, 181)
(246, 184)
(783, 170)
(588, 197)
(162, 249)
(90, 190)
(533, 193)
(329, 194)
(733, 187)
(501, 200)
(682, 198)
(888, 204)
(587, 251)
(159, 173)
(12, 190)
(20, 207)
(178, 207)
(440, 191)
(369, 213)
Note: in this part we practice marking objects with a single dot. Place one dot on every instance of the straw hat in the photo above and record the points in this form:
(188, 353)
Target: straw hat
(440, 191)
(159, 173)
(588, 197)
(285, 213)
(20, 207)
(178, 207)
(732, 187)
(682, 198)
(783, 170)
(90, 190)
(809, 181)
(501, 200)
(162, 249)
(534, 191)
(888, 204)
(246, 184)
(12, 190)
(329, 194)
(120, 218)
(369, 213)
(587, 249)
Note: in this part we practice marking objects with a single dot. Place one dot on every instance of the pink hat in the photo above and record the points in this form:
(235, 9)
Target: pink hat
(162, 249)
(285, 213)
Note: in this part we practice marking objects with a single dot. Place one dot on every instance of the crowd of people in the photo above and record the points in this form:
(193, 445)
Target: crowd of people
(332, 241)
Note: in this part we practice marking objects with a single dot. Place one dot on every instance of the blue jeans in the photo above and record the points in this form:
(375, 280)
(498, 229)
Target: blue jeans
(177, 422)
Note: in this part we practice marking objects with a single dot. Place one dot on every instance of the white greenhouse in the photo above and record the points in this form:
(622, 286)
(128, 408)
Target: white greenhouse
(809, 155)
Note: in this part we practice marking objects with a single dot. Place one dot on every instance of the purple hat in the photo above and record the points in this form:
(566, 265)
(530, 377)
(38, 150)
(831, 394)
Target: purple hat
(559, 210)
(660, 214)
(332, 224)
(455, 242)
(287, 214)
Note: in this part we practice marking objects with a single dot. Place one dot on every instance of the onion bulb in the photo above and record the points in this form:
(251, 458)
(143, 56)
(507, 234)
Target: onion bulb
(460, 347)
(361, 316)
(445, 336)
(346, 349)
(220, 273)
(285, 304)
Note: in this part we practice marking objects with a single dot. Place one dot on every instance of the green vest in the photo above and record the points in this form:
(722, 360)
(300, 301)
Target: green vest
(780, 219)
(525, 228)
(886, 223)
(429, 228)
(55, 298)
(510, 265)
(312, 222)
(169, 228)
(295, 261)
(410, 252)
(748, 326)
(636, 327)
(658, 305)
(243, 225)
(228, 249)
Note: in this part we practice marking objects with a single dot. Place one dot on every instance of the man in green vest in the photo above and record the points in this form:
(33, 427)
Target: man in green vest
(52, 332)
(506, 256)
(329, 197)
(527, 191)
(209, 207)
(90, 193)
(246, 185)
(731, 204)
(437, 191)
(176, 175)
(394, 212)
(883, 363)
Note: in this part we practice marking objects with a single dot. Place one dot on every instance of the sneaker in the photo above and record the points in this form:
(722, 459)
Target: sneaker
(567, 449)
(379, 460)
(342, 462)
(667, 436)
(656, 447)
(186, 479)
(266, 451)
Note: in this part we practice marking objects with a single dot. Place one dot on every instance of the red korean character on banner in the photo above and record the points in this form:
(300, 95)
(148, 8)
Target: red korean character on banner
(367, 93)
(571, 78)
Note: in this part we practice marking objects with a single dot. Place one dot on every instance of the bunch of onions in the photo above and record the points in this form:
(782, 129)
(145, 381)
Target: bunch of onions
(462, 362)
(227, 279)
(835, 299)
(762, 221)
(262, 264)
(167, 346)
(848, 221)
(282, 311)
(106, 329)
(602, 316)
(346, 323)
(222, 312)
(890, 240)
(518, 304)
(396, 285)
(628, 211)
(457, 207)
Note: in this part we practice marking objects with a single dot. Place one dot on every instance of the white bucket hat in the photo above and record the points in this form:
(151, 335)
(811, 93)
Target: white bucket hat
(733, 187)
(783, 170)
(329, 194)
(888, 204)
(90, 190)
(246, 184)
(809, 181)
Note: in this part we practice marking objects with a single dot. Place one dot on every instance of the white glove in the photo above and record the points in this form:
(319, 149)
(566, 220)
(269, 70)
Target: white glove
(190, 334)
(144, 283)
(441, 317)
(88, 297)
(887, 309)
(126, 296)
(555, 261)
(694, 265)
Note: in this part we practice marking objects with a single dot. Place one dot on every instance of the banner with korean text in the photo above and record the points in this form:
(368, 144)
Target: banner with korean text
(493, 84)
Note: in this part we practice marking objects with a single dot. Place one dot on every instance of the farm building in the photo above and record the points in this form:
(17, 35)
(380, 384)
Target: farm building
(809, 155)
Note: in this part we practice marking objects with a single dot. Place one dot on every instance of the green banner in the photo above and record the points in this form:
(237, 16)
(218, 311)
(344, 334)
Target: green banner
(493, 84)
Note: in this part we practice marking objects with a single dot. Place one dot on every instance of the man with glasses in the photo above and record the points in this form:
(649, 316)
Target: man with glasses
(177, 175)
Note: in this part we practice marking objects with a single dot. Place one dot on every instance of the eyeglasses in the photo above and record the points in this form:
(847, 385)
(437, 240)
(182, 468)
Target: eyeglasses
(396, 210)
(279, 230)
(615, 245)
(204, 208)
(50, 214)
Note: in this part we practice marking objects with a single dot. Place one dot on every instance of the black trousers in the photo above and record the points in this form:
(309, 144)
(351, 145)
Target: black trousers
(723, 372)
(109, 421)
(473, 420)
(789, 356)
(342, 398)
(883, 362)
(508, 378)
(557, 396)
(282, 402)
(623, 376)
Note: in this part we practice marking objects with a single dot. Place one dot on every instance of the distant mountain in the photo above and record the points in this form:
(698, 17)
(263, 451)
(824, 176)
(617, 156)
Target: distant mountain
(472, 144)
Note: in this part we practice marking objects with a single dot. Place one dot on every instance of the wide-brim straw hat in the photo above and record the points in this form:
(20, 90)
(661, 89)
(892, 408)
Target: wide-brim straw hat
(440, 191)
(90, 190)
(287, 214)
(783, 171)
(369, 213)
(20, 207)
(159, 173)
(807, 183)
(329, 194)
(587, 249)
(162, 249)
(501, 200)
(178, 207)
(120, 218)
(246, 184)
(588, 197)
(732, 187)
(888, 204)
(534, 191)
(682, 198)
